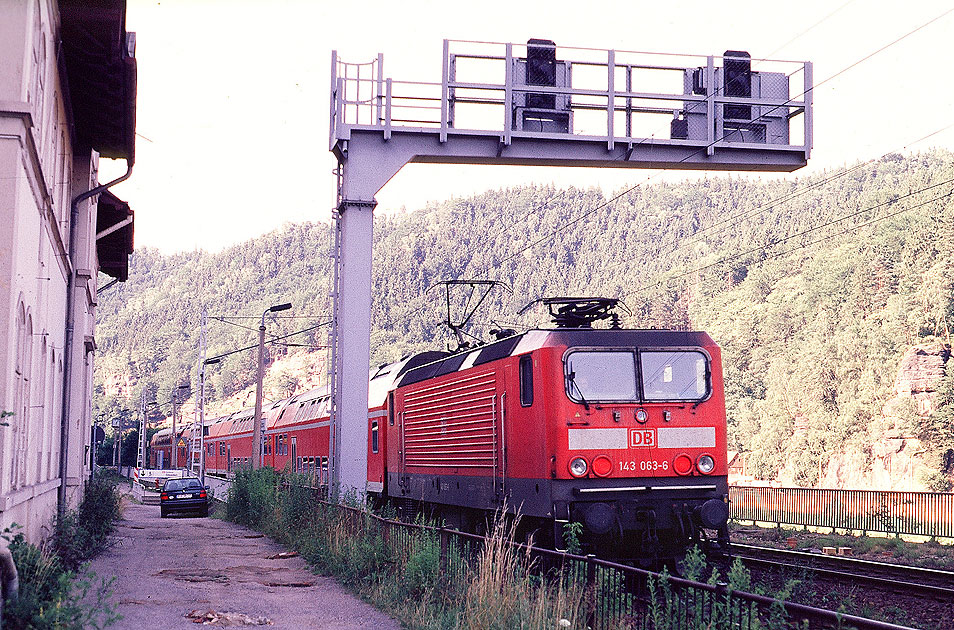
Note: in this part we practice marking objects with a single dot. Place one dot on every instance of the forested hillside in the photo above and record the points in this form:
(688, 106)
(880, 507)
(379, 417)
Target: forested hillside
(814, 288)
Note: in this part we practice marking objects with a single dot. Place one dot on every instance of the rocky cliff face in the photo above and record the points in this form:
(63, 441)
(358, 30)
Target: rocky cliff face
(922, 367)
(893, 460)
(286, 376)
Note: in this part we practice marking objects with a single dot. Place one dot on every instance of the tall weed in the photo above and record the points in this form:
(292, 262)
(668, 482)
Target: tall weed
(81, 534)
(407, 574)
(251, 498)
(53, 598)
(56, 590)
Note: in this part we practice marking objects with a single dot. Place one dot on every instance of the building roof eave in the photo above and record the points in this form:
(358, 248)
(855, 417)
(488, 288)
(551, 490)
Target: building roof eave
(100, 75)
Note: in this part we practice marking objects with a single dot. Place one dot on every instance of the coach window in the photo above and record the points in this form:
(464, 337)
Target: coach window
(374, 436)
(674, 375)
(526, 380)
(601, 375)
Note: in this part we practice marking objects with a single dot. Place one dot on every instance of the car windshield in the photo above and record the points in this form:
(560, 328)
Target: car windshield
(175, 485)
(597, 375)
(674, 375)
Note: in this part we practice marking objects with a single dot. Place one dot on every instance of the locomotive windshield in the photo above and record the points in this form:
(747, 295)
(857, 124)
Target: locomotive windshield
(611, 375)
(674, 375)
(601, 375)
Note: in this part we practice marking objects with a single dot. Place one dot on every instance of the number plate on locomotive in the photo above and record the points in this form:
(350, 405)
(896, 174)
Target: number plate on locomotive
(641, 438)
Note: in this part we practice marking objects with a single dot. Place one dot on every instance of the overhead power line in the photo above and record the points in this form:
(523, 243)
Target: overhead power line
(842, 219)
(816, 24)
(269, 341)
(566, 225)
(735, 219)
(225, 321)
(224, 317)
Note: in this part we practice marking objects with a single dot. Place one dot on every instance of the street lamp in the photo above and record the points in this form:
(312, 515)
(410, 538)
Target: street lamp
(257, 423)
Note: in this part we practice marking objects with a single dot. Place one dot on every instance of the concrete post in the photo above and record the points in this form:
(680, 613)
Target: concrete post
(349, 474)
(175, 439)
(119, 446)
(257, 419)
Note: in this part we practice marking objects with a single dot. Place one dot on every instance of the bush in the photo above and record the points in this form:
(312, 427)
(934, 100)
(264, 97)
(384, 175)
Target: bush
(52, 597)
(56, 590)
(422, 569)
(79, 535)
(251, 498)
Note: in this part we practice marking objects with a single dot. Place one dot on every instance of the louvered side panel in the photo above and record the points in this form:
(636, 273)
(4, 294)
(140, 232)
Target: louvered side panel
(452, 425)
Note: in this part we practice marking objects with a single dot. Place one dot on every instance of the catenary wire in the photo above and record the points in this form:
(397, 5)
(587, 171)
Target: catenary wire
(815, 229)
(816, 24)
(733, 220)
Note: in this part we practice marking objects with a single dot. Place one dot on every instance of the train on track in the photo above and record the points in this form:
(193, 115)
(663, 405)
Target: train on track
(622, 431)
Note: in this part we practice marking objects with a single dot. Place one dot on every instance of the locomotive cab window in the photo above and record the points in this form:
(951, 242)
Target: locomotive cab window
(674, 375)
(374, 436)
(601, 375)
(526, 381)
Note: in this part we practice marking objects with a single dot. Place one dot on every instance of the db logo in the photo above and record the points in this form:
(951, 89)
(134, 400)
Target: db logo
(642, 438)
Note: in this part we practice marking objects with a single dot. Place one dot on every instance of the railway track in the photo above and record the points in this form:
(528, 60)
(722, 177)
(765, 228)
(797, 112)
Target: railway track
(930, 591)
(932, 583)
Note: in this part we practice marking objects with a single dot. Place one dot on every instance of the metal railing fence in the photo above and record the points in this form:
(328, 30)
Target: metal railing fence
(613, 595)
(615, 95)
(892, 512)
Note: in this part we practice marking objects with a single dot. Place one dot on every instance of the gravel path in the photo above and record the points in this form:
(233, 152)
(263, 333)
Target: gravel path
(166, 569)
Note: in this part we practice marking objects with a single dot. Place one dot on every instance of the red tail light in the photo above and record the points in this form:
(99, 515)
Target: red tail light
(682, 464)
(202, 494)
(164, 497)
(602, 466)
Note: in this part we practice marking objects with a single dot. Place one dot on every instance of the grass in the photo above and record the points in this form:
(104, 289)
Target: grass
(467, 587)
(430, 580)
(56, 589)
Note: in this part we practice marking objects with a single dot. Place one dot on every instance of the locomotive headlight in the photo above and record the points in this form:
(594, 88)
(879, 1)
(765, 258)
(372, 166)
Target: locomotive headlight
(641, 416)
(578, 467)
(705, 464)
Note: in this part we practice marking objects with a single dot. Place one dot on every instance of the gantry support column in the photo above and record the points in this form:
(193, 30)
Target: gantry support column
(365, 164)
(353, 315)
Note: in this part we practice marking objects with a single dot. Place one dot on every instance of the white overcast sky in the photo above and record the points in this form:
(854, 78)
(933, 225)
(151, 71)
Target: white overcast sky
(233, 94)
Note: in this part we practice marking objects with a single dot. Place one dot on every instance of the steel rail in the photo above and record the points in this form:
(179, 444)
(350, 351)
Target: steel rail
(894, 577)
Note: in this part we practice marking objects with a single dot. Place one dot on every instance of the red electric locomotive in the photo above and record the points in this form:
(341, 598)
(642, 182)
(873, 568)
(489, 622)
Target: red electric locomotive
(622, 431)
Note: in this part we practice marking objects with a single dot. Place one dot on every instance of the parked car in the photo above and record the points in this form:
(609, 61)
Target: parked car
(183, 495)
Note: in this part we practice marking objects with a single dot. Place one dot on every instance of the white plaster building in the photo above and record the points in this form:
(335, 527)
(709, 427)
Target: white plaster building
(67, 97)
